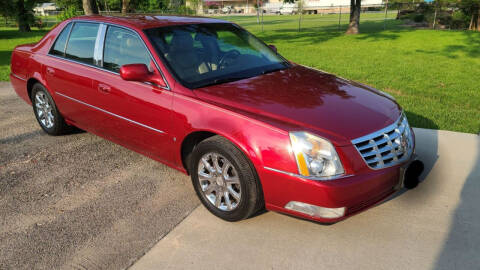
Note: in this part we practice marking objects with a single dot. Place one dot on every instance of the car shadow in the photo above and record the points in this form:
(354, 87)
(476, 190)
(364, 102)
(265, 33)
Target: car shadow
(461, 247)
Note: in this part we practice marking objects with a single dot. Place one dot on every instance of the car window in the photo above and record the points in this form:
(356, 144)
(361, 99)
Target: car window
(81, 44)
(204, 54)
(123, 47)
(59, 47)
(228, 41)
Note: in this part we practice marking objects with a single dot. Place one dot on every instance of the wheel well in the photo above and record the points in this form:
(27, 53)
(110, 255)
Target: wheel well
(189, 144)
(30, 84)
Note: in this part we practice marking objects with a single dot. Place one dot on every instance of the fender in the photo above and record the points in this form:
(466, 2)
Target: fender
(41, 79)
(236, 128)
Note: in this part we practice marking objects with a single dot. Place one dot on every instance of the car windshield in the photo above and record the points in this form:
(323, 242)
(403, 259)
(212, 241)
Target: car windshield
(199, 55)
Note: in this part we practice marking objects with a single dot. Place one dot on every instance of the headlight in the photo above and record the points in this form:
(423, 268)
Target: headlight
(316, 157)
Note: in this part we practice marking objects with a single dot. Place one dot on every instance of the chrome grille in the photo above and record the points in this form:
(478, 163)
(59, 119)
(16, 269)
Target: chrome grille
(388, 146)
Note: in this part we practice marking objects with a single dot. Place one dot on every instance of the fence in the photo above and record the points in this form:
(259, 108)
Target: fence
(40, 22)
(327, 17)
(436, 16)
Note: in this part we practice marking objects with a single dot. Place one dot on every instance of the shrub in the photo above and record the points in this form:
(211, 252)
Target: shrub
(459, 20)
(418, 18)
(39, 23)
(67, 13)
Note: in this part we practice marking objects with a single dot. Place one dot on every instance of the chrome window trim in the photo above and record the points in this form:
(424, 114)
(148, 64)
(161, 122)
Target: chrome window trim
(99, 43)
(166, 87)
(110, 113)
(83, 64)
(66, 41)
(335, 177)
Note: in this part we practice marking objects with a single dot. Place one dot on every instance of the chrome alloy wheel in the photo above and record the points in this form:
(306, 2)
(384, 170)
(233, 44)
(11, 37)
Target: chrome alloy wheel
(44, 110)
(219, 181)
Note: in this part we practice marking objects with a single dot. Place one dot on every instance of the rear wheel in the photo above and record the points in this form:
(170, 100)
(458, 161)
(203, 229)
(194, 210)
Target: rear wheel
(46, 112)
(224, 180)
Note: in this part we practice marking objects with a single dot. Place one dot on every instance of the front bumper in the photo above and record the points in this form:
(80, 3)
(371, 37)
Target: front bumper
(356, 193)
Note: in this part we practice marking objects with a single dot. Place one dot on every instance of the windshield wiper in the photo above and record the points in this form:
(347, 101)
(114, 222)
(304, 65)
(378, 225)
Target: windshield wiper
(223, 80)
(285, 66)
(237, 78)
(266, 71)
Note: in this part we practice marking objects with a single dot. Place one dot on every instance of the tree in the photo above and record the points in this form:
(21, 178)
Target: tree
(353, 26)
(8, 10)
(125, 6)
(300, 5)
(471, 8)
(90, 7)
(477, 24)
(69, 3)
(21, 10)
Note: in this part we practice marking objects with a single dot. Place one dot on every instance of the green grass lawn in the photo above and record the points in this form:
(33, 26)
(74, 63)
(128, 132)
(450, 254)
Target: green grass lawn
(9, 38)
(432, 74)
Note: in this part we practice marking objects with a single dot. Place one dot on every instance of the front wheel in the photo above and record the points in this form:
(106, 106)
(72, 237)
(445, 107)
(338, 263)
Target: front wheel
(224, 180)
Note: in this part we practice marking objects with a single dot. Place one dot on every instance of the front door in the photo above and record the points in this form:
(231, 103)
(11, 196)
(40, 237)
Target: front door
(138, 114)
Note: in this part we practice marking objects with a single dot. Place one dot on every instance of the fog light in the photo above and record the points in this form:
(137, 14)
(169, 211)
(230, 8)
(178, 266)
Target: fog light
(315, 211)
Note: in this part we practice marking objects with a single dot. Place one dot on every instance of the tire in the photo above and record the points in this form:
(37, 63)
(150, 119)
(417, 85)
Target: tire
(46, 112)
(237, 185)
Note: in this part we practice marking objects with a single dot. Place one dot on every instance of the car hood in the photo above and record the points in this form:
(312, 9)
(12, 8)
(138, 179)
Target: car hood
(301, 98)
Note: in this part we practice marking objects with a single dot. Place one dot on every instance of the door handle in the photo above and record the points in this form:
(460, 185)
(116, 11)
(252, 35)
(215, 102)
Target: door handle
(104, 88)
(50, 71)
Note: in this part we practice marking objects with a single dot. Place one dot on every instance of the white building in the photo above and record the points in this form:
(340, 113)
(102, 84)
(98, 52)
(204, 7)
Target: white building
(309, 6)
(45, 9)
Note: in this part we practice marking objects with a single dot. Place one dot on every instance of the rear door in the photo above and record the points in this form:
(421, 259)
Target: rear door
(70, 70)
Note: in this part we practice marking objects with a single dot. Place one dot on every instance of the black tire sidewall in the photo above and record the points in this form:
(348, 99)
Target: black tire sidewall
(249, 193)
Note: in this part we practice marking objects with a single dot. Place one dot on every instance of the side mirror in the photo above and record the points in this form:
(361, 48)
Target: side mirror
(273, 47)
(140, 73)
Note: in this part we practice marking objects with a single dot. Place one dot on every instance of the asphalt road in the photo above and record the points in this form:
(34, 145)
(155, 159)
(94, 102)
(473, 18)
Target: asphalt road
(79, 201)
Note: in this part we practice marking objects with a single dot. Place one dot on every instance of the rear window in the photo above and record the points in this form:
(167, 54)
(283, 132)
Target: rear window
(81, 44)
(59, 47)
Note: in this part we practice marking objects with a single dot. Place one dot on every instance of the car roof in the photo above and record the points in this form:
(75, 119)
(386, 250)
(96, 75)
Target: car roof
(149, 21)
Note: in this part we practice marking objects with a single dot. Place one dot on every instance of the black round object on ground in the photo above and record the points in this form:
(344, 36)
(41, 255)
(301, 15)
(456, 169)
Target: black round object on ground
(412, 174)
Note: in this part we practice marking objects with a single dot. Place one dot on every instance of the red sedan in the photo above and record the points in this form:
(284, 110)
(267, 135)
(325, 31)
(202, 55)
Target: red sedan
(208, 98)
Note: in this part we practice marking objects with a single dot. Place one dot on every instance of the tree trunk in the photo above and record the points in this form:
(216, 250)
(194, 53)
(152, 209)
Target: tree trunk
(125, 7)
(475, 21)
(90, 7)
(22, 17)
(470, 27)
(353, 26)
(478, 19)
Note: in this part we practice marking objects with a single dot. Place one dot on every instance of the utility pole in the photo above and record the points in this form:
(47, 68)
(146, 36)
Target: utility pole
(339, 18)
(385, 20)
(262, 16)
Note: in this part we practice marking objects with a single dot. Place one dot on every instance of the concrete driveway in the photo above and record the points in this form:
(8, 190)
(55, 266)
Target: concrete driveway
(435, 226)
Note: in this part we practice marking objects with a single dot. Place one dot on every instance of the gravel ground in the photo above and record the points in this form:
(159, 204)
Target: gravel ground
(79, 201)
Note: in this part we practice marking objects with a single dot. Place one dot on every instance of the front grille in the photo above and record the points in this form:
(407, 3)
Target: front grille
(386, 147)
